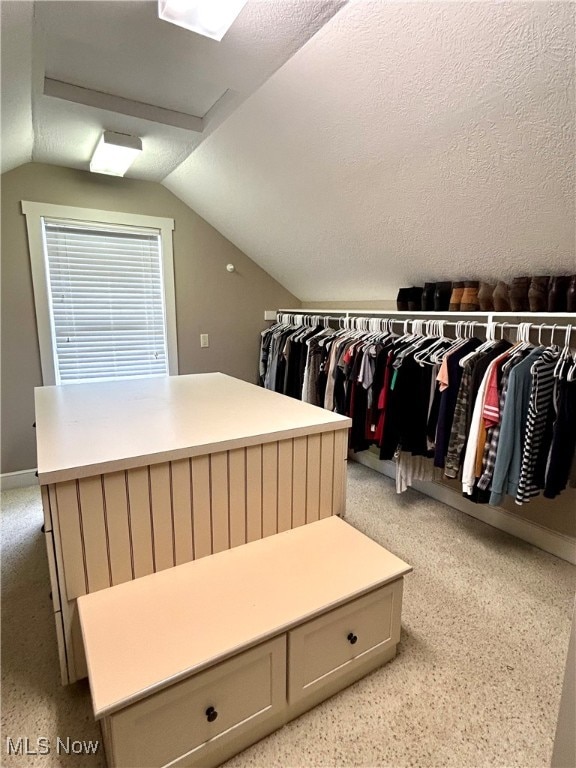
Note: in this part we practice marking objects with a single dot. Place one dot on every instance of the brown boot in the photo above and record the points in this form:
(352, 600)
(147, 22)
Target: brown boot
(470, 302)
(456, 297)
(538, 293)
(485, 297)
(519, 294)
(501, 297)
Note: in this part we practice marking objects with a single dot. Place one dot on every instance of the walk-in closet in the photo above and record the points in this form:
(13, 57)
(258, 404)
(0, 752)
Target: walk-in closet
(288, 384)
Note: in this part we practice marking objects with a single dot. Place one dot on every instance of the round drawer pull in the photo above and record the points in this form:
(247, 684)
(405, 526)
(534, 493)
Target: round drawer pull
(352, 638)
(211, 714)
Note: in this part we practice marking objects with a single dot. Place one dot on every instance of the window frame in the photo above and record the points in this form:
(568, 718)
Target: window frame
(34, 213)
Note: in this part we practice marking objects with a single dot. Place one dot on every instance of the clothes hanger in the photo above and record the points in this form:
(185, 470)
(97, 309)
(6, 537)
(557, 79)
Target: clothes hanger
(382, 329)
(571, 375)
(375, 327)
(407, 335)
(487, 344)
(322, 328)
(551, 349)
(459, 341)
(389, 327)
(434, 328)
(417, 340)
(525, 340)
(565, 355)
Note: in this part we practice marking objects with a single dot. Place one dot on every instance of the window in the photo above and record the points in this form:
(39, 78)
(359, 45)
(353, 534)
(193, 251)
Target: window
(104, 293)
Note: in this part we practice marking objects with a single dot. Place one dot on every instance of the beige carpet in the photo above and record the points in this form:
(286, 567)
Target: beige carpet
(476, 682)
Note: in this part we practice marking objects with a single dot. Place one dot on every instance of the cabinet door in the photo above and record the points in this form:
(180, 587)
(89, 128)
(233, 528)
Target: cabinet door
(231, 697)
(321, 649)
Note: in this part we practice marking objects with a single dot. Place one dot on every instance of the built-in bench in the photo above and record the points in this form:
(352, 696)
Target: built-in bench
(190, 665)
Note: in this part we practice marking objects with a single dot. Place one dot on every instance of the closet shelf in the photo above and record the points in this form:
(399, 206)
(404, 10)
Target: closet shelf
(421, 313)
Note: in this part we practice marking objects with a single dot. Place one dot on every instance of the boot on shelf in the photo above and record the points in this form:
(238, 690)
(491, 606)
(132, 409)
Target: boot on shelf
(501, 297)
(485, 297)
(442, 296)
(456, 297)
(402, 299)
(428, 297)
(415, 299)
(470, 302)
(538, 293)
(519, 294)
(558, 293)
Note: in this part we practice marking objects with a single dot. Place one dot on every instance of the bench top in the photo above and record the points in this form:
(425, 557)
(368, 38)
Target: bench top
(144, 635)
(88, 429)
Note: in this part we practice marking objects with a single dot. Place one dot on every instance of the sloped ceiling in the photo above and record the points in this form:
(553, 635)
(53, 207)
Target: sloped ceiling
(405, 142)
(348, 149)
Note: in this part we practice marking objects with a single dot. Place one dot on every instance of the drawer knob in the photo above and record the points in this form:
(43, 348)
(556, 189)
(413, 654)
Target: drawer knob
(211, 714)
(352, 638)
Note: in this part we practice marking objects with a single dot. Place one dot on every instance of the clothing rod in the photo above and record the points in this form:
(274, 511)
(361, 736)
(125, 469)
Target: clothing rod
(501, 324)
(543, 326)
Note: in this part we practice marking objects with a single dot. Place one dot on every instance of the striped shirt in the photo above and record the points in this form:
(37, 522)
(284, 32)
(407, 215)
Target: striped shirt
(537, 437)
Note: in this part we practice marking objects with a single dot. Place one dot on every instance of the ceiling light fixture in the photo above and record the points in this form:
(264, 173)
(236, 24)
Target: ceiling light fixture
(115, 153)
(211, 18)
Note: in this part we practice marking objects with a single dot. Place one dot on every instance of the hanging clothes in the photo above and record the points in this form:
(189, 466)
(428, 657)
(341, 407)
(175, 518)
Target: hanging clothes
(509, 455)
(449, 378)
(561, 465)
(499, 416)
(493, 415)
(474, 369)
(313, 364)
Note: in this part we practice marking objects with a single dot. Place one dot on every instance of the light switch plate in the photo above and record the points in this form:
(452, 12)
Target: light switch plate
(204, 340)
(269, 314)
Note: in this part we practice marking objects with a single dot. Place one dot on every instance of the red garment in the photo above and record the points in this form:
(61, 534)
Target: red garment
(491, 408)
(383, 398)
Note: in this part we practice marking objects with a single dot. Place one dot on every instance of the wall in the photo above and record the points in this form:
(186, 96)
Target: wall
(228, 306)
(334, 304)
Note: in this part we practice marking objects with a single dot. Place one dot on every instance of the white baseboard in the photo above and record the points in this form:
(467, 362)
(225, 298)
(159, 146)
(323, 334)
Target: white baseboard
(23, 479)
(555, 543)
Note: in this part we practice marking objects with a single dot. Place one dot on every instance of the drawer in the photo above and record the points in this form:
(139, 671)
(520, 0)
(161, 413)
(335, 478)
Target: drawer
(242, 691)
(331, 644)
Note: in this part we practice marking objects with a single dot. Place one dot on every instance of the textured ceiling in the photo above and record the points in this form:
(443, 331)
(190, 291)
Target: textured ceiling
(122, 49)
(404, 142)
(349, 149)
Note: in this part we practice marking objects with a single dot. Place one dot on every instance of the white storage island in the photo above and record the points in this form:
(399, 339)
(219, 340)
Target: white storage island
(143, 475)
(191, 665)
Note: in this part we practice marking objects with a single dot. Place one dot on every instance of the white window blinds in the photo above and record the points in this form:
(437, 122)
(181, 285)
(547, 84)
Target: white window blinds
(107, 300)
